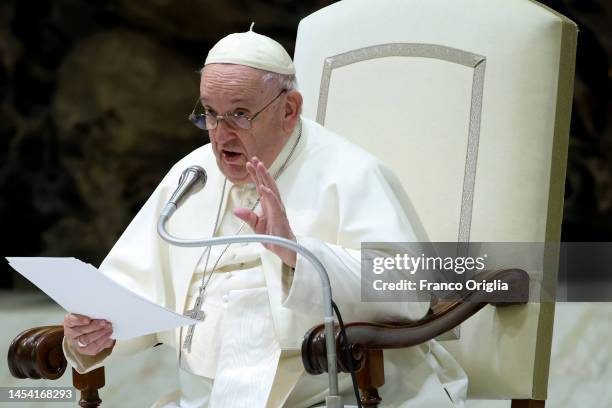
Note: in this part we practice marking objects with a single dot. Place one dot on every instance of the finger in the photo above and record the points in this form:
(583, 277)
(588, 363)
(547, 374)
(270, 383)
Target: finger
(258, 188)
(87, 339)
(73, 332)
(271, 203)
(100, 339)
(247, 216)
(73, 319)
(257, 179)
(257, 163)
(260, 173)
(95, 347)
(265, 204)
(250, 167)
(268, 179)
(94, 336)
(95, 324)
(274, 203)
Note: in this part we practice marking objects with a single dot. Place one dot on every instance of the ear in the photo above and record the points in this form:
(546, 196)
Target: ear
(292, 109)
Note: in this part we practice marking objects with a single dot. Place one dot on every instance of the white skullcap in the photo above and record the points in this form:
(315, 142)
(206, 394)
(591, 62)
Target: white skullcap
(253, 50)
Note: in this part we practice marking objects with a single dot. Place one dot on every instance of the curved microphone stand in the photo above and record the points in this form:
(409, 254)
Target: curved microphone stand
(188, 179)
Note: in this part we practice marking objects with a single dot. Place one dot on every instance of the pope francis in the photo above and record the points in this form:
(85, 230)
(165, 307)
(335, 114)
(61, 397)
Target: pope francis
(270, 171)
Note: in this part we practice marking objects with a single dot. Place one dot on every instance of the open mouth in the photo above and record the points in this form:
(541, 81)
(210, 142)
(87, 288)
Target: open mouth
(230, 156)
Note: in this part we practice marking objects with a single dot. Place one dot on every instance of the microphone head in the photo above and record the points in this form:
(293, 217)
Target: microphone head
(193, 176)
(197, 172)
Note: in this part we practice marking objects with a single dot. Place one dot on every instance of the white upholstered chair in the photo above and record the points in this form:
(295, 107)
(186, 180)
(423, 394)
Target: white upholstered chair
(468, 101)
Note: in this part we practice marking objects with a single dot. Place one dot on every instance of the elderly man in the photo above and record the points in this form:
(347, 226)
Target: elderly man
(270, 171)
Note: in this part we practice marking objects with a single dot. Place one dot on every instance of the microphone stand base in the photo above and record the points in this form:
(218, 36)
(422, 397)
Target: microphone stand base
(333, 402)
(341, 406)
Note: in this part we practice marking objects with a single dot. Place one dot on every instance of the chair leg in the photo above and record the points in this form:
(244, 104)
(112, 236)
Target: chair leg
(89, 384)
(528, 403)
(370, 377)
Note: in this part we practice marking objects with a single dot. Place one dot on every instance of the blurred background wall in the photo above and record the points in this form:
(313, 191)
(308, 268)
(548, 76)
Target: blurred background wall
(94, 98)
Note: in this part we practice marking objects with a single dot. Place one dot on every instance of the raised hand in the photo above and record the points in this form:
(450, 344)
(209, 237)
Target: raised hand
(88, 336)
(273, 219)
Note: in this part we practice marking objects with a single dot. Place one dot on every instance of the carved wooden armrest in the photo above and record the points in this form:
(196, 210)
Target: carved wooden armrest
(442, 317)
(37, 353)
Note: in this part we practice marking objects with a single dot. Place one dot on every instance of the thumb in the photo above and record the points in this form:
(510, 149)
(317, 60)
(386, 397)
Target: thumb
(247, 216)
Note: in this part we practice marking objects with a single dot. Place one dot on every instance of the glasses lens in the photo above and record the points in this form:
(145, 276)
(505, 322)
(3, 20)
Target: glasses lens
(240, 121)
(210, 121)
(199, 120)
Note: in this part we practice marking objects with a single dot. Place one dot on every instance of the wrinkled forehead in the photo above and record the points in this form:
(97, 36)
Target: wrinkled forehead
(233, 81)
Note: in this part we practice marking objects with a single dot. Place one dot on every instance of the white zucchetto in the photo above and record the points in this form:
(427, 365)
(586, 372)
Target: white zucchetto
(253, 50)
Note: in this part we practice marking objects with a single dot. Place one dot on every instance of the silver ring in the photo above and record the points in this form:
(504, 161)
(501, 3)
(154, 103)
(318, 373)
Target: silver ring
(81, 344)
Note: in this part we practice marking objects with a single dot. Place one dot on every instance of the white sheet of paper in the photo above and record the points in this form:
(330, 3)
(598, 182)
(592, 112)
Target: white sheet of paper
(80, 288)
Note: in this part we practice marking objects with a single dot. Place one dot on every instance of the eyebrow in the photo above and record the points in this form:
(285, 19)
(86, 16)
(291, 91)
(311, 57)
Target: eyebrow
(238, 99)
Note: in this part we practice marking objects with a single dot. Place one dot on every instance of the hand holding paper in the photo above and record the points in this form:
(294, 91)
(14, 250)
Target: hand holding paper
(89, 336)
(82, 289)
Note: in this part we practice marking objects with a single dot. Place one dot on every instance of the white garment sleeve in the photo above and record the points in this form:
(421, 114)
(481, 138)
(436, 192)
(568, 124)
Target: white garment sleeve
(344, 270)
(374, 210)
(83, 363)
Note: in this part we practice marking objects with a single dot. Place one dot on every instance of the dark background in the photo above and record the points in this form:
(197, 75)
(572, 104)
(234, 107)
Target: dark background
(94, 97)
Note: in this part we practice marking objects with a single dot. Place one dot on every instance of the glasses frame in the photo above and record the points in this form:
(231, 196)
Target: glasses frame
(195, 117)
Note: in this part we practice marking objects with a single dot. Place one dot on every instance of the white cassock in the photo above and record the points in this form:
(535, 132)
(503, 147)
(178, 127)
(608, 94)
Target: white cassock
(246, 351)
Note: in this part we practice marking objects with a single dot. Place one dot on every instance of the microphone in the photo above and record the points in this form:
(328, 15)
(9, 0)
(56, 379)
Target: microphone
(188, 180)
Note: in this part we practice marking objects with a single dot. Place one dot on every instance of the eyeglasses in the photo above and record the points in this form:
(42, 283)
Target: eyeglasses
(209, 121)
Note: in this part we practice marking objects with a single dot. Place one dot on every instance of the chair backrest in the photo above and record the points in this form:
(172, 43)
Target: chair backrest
(469, 103)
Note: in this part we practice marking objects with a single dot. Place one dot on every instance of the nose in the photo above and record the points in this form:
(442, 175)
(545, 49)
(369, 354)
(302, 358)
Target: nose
(222, 133)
